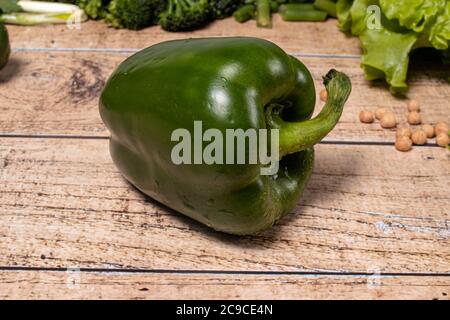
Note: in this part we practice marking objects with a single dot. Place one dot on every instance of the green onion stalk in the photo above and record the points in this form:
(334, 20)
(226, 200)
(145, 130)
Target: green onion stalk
(39, 12)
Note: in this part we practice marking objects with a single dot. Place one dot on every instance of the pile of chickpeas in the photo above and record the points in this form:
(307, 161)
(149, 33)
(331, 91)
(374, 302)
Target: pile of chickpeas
(405, 136)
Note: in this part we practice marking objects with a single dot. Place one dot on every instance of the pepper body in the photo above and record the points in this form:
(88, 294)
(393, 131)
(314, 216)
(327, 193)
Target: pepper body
(4, 46)
(227, 83)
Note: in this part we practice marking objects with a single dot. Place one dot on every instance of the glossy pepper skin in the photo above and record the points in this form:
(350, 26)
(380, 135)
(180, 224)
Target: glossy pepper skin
(4, 46)
(228, 83)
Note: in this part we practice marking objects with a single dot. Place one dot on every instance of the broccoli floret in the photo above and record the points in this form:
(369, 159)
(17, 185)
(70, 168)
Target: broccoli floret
(224, 8)
(182, 15)
(134, 14)
(94, 9)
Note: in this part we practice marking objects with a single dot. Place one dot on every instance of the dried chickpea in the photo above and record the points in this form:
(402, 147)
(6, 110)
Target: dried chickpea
(441, 127)
(366, 116)
(404, 132)
(323, 95)
(442, 139)
(388, 120)
(419, 137)
(414, 118)
(413, 105)
(403, 143)
(379, 113)
(429, 130)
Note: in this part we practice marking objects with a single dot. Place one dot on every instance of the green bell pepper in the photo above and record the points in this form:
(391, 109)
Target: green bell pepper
(227, 83)
(5, 49)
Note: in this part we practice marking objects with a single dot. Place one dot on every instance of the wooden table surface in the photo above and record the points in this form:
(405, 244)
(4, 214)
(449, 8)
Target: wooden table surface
(373, 222)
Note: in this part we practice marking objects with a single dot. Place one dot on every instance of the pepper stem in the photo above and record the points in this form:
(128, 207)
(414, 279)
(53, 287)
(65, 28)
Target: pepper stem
(297, 136)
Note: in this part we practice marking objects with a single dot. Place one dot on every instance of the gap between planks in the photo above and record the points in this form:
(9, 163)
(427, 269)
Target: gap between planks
(227, 272)
(98, 285)
(324, 141)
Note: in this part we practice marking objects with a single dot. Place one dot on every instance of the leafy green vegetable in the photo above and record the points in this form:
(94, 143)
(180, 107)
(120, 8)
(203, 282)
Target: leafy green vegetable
(390, 30)
(440, 32)
(360, 17)
(94, 9)
(343, 13)
(182, 15)
(386, 55)
(412, 14)
(223, 8)
(173, 15)
(134, 14)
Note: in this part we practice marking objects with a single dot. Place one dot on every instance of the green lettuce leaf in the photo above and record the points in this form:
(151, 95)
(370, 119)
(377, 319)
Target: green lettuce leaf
(95, 9)
(386, 55)
(343, 12)
(390, 29)
(440, 31)
(414, 15)
(359, 15)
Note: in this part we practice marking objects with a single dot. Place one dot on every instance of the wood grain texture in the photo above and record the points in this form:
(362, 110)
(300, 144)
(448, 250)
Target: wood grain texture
(63, 204)
(368, 209)
(57, 93)
(295, 37)
(103, 285)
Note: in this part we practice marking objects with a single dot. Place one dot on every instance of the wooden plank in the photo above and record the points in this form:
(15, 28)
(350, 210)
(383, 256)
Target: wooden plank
(295, 37)
(63, 204)
(57, 93)
(102, 285)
